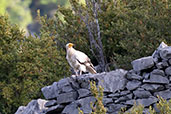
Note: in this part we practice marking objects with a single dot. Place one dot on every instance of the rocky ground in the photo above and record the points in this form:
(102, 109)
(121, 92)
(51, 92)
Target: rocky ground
(150, 76)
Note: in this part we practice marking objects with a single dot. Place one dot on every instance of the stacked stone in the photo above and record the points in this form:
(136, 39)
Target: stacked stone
(150, 77)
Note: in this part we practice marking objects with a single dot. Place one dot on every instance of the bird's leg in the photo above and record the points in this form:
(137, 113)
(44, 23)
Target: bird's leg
(76, 72)
(80, 72)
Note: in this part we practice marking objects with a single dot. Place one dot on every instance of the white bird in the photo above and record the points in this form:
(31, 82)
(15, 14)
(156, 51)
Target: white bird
(78, 60)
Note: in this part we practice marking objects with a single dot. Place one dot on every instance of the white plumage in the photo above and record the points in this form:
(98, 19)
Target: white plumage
(78, 60)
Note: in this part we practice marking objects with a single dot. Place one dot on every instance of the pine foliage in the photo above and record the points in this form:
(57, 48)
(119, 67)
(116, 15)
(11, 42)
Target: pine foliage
(26, 65)
(129, 29)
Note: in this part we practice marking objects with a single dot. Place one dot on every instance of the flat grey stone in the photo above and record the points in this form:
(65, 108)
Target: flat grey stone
(71, 109)
(158, 72)
(123, 93)
(130, 102)
(124, 98)
(165, 63)
(157, 79)
(64, 85)
(153, 87)
(55, 109)
(50, 103)
(20, 110)
(73, 82)
(160, 65)
(164, 94)
(48, 91)
(168, 86)
(131, 85)
(141, 94)
(84, 104)
(63, 82)
(143, 63)
(169, 61)
(84, 80)
(168, 71)
(145, 101)
(113, 95)
(162, 45)
(83, 93)
(107, 101)
(114, 108)
(67, 97)
(165, 53)
(66, 89)
(112, 81)
(156, 59)
(146, 75)
(35, 107)
(133, 76)
(55, 89)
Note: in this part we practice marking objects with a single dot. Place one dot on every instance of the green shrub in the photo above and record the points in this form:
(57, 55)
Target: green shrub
(26, 65)
(129, 29)
(163, 107)
(97, 107)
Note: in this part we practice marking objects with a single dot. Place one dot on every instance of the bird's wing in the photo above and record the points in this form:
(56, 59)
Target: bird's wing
(84, 60)
(81, 57)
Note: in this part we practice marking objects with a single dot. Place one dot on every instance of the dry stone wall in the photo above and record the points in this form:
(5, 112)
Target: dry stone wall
(150, 76)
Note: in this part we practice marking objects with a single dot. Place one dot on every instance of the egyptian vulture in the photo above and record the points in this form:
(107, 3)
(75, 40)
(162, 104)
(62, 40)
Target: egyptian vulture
(78, 60)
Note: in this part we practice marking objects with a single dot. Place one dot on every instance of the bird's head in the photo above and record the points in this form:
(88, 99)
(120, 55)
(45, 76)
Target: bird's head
(69, 45)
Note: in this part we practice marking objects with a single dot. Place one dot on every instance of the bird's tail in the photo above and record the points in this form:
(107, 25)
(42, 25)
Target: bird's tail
(90, 69)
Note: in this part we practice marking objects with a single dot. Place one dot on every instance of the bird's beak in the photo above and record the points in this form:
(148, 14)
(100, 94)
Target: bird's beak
(70, 45)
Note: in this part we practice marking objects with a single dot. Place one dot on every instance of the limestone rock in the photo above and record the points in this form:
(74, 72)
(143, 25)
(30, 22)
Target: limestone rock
(145, 101)
(143, 63)
(114, 108)
(165, 53)
(33, 107)
(165, 63)
(141, 94)
(166, 94)
(162, 45)
(113, 81)
(153, 87)
(71, 109)
(131, 85)
(49, 92)
(124, 98)
(50, 103)
(20, 110)
(160, 65)
(169, 61)
(168, 71)
(67, 97)
(107, 101)
(54, 109)
(84, 104)
(158, 72)
(133, 76)
(146, 75)
(123, 93)
(83, 93)
(157, 79)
